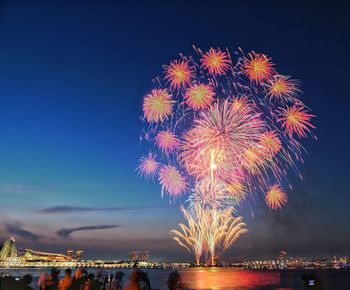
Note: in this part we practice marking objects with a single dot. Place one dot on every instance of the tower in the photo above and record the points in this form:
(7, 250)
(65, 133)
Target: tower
(79, 254)
(70, 253)
(8, 250)
(281, 260)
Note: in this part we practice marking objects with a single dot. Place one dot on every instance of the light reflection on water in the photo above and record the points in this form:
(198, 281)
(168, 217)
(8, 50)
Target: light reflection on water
(228, 278)
(193, 278)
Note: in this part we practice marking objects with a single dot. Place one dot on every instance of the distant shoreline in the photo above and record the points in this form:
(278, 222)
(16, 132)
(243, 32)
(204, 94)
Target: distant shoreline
(183, 268)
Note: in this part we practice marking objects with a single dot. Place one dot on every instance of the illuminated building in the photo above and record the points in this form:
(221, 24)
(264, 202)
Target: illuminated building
(79, 255)
(70, 253)
(32, 255)
(8, 250)
(144, 256)
(133, 256)
(281, 260)
(139, 256)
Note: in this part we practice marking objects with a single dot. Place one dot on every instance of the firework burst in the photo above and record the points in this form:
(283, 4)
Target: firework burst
(148, 166)
(227, 128)
(172, 181)
(282, 88)
(157, 105)
(210, 193)
(296, 120)
(241, 103)
(178, 73)
(167, 141)
(199, 96)
(253, 159)
(237, 190)
(270, 144)
(275, 198)
(219, 138)
(258, 67)
(216, 61)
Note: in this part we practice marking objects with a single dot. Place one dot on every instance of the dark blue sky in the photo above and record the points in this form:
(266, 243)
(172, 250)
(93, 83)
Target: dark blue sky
(72, 78)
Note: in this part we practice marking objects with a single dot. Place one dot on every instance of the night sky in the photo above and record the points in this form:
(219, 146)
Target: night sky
(72, 79)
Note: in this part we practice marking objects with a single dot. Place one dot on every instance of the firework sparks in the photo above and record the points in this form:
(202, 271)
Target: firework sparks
(223, 131)
(199, 96)
(296, 120)
(240, 103)
(148, 166)
(178, 73)
(253, 159)
(157, 105)
(208, 194)
(216, 61)
(208, 230)
(275, 198)
(234, 228)
(223, 229)
(227, 131)
(191, 237)
(237, 190)
(167, 141)
(282, 87)
(258, 67)
(172, 181)
(270, 144)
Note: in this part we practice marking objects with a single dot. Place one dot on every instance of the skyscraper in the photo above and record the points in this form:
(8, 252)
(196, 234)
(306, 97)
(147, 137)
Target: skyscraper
(9, 250)
(79, 254)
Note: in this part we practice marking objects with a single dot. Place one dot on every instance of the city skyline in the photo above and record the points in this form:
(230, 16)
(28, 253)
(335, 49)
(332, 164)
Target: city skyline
(72, 82)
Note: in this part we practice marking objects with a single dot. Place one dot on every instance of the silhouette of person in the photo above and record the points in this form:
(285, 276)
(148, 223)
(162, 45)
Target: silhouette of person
(52, 280)
(25, 282)
(42, 281)
(116, 284)
(133, 281)
(174, 281)
(66, 280)
(77, 281)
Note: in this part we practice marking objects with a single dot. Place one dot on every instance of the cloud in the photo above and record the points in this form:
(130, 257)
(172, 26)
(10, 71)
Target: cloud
(17, 230)
(66, 232)
(18, 188)
(63, 209)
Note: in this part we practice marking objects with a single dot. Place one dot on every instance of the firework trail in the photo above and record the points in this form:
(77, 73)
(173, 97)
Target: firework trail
(192, 236)
(222, 127)
(208, 230)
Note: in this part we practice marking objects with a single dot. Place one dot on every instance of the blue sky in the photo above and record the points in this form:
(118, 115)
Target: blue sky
(72, 78)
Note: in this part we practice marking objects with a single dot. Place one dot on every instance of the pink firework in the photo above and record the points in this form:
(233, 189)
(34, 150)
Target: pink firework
(254, 160)
(219, 138)
(217, 62)
(270, 143)
(178, 73)
(282, 88)
(158, 105)
(296, 120)
(172, 181)
(148, 166)
(167, 141)
(258, 67)
(233, 121)
(242, 103)
(227, 129)
(199, 96)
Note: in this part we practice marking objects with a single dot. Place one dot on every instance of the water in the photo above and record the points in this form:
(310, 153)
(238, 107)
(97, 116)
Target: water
(227, 278)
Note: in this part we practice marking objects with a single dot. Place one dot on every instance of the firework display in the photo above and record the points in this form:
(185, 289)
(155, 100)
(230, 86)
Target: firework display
(208, 230)
(222, 127)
